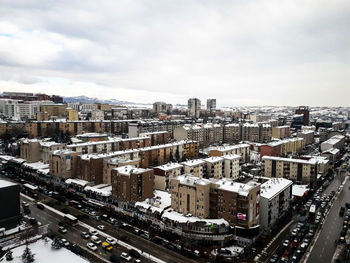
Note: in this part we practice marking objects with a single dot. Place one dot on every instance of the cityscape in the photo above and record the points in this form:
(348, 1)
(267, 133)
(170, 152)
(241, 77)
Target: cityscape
(174, 132)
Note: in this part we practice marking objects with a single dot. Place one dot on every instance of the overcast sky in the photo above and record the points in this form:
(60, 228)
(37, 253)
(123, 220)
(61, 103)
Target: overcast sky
(241, 52)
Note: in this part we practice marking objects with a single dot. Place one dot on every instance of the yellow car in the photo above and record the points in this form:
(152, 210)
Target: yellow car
(107, 246)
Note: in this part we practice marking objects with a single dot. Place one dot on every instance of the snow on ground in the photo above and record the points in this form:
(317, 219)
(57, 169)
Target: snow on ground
(45, 254)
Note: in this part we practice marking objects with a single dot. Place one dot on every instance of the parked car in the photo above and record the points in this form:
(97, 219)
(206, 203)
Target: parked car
(40, 206)
(107, 246)
(64, 242)
(101, 227)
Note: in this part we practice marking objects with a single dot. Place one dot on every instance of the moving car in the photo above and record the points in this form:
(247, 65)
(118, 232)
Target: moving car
(85, 235)
(107, 246)
(91, 246)
(125, 257)
(62, 229)
(111, 241)
(95, 240)
(101, 227)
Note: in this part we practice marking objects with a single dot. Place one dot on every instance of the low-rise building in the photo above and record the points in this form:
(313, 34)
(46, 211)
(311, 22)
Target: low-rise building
(307, 135)
(337, 141)
(63, 163)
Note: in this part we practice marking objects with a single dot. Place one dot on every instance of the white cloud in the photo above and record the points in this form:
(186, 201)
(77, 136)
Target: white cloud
(240, 52)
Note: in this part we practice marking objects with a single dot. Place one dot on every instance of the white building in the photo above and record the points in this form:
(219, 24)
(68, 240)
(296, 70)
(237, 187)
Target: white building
(275, 197)
(337, 141)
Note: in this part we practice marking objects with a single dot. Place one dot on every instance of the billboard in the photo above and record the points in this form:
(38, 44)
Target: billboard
(241, 216)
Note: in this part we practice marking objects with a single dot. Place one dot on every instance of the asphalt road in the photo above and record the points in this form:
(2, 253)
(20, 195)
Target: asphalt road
(47, 217)
(73, 235)
(324, 247)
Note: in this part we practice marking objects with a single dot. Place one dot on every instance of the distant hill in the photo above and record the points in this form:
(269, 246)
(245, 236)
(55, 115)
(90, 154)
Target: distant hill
(84, 99)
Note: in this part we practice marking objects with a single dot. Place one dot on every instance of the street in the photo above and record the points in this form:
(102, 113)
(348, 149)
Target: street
(324, 247)
(48, 217)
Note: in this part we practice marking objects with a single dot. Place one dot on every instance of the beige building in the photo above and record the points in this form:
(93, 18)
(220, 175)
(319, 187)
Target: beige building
(63, 163)
(164, 173)
(298, 170)
(308, 136)
(237, 203)
(231, 166)
(190, 195)
(72, 115)
(232, 133)
(215, 167)
(57, 110)
(195, 167)
(280, 132)
(30, 150)
(47, 147)
(239, 149)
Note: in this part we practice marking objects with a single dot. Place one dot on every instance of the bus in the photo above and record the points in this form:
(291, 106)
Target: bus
(71, 220)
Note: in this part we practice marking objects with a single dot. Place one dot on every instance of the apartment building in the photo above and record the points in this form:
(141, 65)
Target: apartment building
(282, 147)
(72, 114)
(239, 149)
(307, 135)
(160, 137)
(298, 170)
(138, 127)
(231, 166)
(34, 150)
(30, 150)
(131, 184)
(110, 163)
(190, 195)
(57, 110)
(194, 108)
(237, 203)
(337, 141)
(215, 167)
(281, 132)
(196, 167)
(63, 163)
(250, 132)
(162, 107)
(275, 202)
(232, 133)
(110, 145)
(211, 105)
(164, 173)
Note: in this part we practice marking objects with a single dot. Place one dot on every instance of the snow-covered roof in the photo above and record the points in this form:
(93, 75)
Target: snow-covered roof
(299, 190)
(232, 186)
(333, 151)
(36, 166)
(310, 161)
(102, 189)
(49, 144)
(232, 157)
(6, 157)
(76, 181)
(158, 203)
(191, 180)
(180, 218)
(195, 162)
(274, 186)
(229, 147)
(214, 159)
(169, 166)
(130, 169)
(5, 183)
